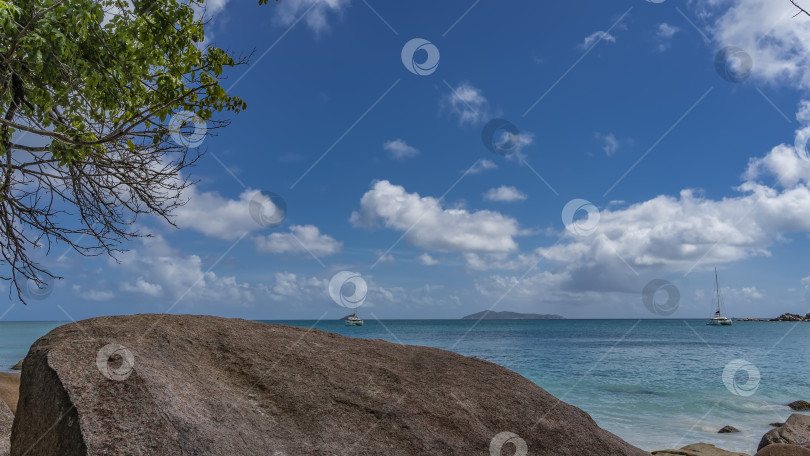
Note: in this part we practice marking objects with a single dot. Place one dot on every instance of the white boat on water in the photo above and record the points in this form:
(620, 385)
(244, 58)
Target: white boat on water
(353, 320)
(718, 319)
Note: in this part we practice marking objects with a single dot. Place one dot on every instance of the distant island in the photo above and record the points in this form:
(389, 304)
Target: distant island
(783, 317)
(506, 315)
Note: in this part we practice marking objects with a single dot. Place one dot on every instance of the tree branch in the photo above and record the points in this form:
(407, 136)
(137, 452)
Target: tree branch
(801, 10)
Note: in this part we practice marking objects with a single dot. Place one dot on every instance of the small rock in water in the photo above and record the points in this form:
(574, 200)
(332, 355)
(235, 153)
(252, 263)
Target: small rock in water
(728, 430)
(777, 424)
(799, 405)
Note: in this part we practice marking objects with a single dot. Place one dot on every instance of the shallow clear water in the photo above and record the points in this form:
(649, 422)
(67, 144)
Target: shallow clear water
(655, 383)
(17, 336)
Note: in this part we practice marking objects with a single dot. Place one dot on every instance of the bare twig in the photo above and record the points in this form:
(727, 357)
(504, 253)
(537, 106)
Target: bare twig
(801, 10)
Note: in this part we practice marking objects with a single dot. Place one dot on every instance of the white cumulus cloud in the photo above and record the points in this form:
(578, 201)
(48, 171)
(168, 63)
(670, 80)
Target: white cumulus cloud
(788, 164)
(428, 225)
(668, 234)
(481, 166)
(400, 150)
(383, 257)
(664, 34)
(143, 287)
(288, 286)
(596, 36)
(159, 265)
(210, 8)
(315, 13)
(93, 295)
(217, 216)
(609, 143)
(300, 239)
(779, 45)
(468, 104)
(427, 260)
(741, 293)
(505, 194)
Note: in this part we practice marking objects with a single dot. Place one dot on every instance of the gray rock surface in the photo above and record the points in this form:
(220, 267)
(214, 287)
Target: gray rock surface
(214, 386)
(795, 431)
(780, 449)
(698, 449)
(6, 420)
(728, 430)
(789, 317)
(10, 389)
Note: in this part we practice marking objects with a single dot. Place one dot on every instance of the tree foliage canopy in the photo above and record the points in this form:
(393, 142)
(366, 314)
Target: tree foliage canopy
(87, 90)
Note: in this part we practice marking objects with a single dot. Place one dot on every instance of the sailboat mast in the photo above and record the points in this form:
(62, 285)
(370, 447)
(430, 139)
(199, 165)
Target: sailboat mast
(717, 287)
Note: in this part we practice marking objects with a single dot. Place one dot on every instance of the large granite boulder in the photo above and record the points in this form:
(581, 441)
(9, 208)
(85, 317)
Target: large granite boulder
(194, 385)
(780, 449)
(6, 419)
(795, 431)
(698, 449)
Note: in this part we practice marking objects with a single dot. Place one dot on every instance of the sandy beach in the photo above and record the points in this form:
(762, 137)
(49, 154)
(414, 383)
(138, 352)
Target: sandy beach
(10, 389)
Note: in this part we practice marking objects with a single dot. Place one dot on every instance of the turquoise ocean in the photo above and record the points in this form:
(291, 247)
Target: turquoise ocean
(655, 383)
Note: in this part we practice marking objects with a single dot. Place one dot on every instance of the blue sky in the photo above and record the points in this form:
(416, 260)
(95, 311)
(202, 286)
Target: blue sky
(618, 104)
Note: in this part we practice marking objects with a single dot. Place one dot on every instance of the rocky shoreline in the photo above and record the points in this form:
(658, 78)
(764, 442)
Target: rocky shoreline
(208, 385)
(783, 317)
(791, 438)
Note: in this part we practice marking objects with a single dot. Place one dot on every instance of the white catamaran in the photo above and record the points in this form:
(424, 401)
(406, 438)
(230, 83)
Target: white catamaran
(354, 320)
(718, 319)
